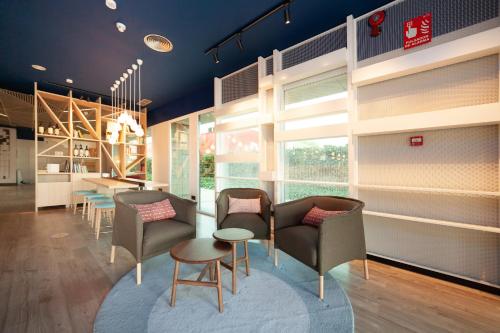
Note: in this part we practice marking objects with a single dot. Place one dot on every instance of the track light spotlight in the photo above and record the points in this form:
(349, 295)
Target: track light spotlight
(215, 55)
(239, 42)
(287, 14)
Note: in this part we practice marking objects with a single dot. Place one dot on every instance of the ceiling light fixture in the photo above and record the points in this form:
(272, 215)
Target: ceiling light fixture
(285, 4)
(111, 4)
(70, 81)
(287, 15)
(239, 42)
(158, 43)
(39, 68)
(215, 56)
(121, 26)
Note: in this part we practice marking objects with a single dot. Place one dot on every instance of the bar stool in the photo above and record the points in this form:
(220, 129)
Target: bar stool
(91, 206)
(77, 194)
(86, 203)
(100, 209)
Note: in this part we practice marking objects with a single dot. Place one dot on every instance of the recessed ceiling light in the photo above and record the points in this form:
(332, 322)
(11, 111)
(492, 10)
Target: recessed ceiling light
(69, 81)
(121, 26)
(39, 68)
(111, 4)
(158, 43)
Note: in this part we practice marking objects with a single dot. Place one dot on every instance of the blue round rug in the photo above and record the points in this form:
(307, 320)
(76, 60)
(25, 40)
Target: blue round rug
(271, 299)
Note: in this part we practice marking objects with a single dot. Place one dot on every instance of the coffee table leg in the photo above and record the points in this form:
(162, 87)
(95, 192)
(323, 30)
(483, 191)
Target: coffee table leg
(234, 266)
(247, 259)
(174, 283)
(211, 271)
(219, 286)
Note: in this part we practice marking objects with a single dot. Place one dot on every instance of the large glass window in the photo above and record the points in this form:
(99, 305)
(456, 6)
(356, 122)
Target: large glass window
(315, 167)
(179, 167)
(242, 141)
(206, 151)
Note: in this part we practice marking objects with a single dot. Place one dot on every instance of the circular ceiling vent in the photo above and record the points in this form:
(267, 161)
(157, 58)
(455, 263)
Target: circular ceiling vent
(158, 43)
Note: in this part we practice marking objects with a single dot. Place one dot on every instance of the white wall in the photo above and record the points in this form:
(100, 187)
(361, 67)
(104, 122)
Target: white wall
(25, 160)
(160, 134)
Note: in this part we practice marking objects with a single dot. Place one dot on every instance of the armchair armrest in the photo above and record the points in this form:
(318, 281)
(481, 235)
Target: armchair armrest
(291, 213)
(128, 229)
(185, 210)
(341, 239)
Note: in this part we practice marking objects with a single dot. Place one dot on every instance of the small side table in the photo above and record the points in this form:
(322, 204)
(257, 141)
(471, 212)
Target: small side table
(233, 236)
(199, 251)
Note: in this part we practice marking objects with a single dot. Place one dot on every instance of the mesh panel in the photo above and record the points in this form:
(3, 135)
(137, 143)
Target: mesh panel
(466, 253)
(269, 66)
(315, 87)
(324, 44)
(447, 16)
(239, 85)
(461, 158)
(468, 83)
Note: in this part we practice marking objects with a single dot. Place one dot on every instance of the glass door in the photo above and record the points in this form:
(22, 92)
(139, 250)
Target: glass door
(179, 164)
(206, 151)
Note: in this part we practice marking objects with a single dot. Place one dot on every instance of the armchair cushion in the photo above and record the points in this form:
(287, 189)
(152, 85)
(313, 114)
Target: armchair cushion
(237, 205)
(316, 215)
(301, 242)
(159, 237)
(156, 211)
(249, 221)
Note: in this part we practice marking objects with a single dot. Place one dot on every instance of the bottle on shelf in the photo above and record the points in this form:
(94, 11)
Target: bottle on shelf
(41, 129)
(87, 153)
(50, 130)
(75, 151)
(56, 130)
(81, 152)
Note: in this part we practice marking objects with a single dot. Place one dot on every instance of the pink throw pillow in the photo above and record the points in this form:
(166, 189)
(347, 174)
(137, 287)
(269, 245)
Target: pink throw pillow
(244, 205)
(317, 215)
(156, 211)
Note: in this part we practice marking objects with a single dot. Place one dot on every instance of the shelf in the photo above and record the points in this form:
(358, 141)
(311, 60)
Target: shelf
(466, 116)
(85, 139)
(435, 222)
(135, 144)
(446, 191)
(64, 156)
(85, 158)
(42, 172)
(53, 136)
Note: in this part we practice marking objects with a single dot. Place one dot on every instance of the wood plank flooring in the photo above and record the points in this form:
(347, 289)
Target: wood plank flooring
(50, 284)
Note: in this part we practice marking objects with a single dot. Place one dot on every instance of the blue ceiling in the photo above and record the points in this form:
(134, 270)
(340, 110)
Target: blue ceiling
(78, 40)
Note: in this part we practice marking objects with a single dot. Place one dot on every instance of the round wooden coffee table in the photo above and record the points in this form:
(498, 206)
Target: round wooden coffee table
(233, 236)
(199, 251)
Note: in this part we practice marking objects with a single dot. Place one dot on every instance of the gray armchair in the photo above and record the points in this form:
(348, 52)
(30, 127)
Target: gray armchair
(259, 224)
(146, 240)
(337, 240)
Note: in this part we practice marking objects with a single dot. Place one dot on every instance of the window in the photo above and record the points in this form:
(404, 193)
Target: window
(179, 147)
(206, 151)
(241, 141)
(315, 167)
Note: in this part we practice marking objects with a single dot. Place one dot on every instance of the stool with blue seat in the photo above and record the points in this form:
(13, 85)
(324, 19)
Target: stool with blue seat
(91, 206)
(86, 203)
(76, 195)
(100, 209)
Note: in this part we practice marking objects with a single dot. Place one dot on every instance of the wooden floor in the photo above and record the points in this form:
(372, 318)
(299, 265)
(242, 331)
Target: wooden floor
(53, 282)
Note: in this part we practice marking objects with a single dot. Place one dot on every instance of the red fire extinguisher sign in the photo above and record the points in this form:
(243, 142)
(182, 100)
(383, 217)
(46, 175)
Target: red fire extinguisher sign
(417, 31)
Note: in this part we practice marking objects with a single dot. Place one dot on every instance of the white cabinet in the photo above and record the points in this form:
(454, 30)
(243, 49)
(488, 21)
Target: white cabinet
(53, 194)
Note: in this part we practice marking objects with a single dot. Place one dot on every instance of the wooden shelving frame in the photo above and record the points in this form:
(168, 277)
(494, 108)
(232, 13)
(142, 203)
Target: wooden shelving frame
(76, 112)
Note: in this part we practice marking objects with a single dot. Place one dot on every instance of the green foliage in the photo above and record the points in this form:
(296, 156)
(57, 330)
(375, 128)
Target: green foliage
(207, 183)
(295, 191)
(149, 168)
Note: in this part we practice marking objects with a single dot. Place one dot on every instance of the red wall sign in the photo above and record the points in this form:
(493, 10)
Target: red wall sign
(416, 140)
(417, 31)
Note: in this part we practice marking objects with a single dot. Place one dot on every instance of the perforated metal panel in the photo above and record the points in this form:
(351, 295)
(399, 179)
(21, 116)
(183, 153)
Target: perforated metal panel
(460, 158)
(240, 84)
(466, 253)
(314, 48)
(269, 66)
(447, 16)
(468, 83)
